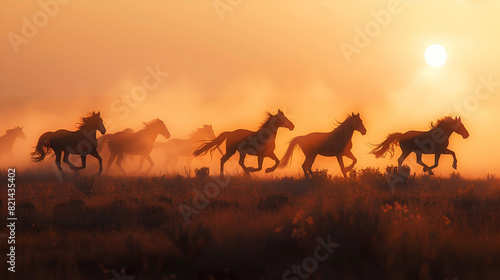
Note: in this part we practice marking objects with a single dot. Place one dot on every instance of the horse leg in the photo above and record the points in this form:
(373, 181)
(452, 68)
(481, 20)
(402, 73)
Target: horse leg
(354, 160)
(304, 168)
(151, 163)
(242, 163)
(66, 160)
(119, 163)
(452, 153)
(419, 161)
(84, 162)
(141, 163)
(436, 161)
(175, 162)
(341, 163)
(98, 157)
(260, 160)
(276, 163)
(168, 160)
(58, 161)
(307, 165)
(402, 158)
(223, 160)
(110, 161)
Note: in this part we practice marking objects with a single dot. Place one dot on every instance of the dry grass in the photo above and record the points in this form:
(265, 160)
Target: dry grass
(430, 228)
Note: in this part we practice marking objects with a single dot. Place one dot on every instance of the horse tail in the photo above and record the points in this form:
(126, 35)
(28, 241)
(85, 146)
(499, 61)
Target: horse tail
(42, 148)
(388, 146)
(211, 145)
(289, 152)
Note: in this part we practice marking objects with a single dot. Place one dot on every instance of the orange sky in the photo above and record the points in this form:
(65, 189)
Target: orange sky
(260, 55)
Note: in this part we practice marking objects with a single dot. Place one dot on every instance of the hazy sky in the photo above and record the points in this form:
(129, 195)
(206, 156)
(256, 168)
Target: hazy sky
(227, 64)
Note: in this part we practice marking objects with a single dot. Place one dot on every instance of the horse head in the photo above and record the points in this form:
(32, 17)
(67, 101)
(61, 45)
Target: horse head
(161, 128)
(19, 132)
(208, 132)
(93, 121)
(357, 123)
(282, 121)
(460, 128)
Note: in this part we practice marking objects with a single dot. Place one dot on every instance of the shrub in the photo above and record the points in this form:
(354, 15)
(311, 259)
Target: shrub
(152, 217)
(222, 204)
(272, 202)
(321, 174)
(202, 172)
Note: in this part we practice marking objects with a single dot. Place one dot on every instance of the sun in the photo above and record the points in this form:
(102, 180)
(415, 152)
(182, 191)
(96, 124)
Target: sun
(435, 55)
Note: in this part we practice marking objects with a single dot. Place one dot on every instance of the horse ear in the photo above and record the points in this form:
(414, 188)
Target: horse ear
(358, 114)
(99, 113)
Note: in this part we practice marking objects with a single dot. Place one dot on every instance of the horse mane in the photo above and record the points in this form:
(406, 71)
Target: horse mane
(266, 121)
(84, 120)
(198, 131)
(441, 121)
(150, 123)
(12, 129)
(339, 127)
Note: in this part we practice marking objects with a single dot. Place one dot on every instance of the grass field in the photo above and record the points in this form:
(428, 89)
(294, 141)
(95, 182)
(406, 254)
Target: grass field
(252, 228)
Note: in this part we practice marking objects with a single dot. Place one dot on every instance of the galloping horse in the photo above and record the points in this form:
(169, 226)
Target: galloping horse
(135, 143)
(260, 143)
(103, 140)
(336, 143)
(7, 140)
(82, 142)
(435, 141)
(183, 148)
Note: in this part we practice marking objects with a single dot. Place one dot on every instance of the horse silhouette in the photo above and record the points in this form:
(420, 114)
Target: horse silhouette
(82, 142)
(260, 143)
(176, 149)
(435, 141)
(7, 140)
(103, 140)
(336, 143)
(135, 143)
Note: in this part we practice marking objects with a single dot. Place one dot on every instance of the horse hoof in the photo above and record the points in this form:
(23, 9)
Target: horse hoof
(269, 170)
(431, 173)
(454, 166)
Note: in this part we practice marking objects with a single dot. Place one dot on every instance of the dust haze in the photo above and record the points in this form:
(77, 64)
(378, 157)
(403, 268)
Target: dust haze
(263, 56)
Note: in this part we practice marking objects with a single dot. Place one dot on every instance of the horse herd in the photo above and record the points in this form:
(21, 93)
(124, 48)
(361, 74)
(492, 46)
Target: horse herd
(261, 143)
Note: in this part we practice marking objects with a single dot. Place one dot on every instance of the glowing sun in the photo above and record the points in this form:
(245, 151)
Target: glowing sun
(435, 55)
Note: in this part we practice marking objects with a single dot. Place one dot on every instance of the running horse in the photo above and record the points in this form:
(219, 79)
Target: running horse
(435, 141)
(260, 143)
(82, 142)
(7, 140)
(336, 143)
(176, 148)
(135, 143)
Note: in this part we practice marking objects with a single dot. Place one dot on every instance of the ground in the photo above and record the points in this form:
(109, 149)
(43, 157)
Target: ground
(252, 228)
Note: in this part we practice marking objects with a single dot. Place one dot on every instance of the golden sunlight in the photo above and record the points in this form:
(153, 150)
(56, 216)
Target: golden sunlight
(435, 55)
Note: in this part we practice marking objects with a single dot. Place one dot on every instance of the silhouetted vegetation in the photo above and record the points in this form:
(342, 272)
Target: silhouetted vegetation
(428, 228)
